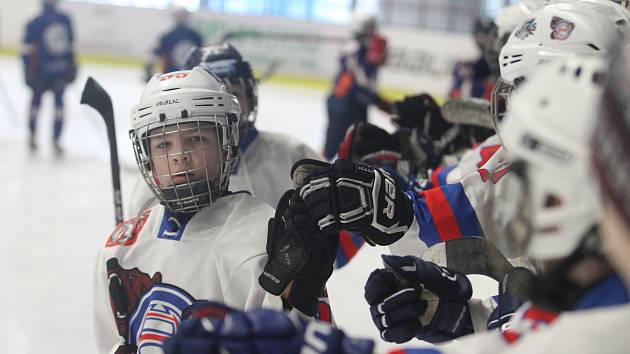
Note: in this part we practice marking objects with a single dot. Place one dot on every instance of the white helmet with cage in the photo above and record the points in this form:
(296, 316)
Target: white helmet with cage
(185, 138)
(547, 135)
(559, 30)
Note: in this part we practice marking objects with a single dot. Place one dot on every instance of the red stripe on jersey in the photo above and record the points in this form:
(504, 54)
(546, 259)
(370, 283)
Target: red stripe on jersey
(151, 336)
(434, 176)
(443, 216)
(349, 248)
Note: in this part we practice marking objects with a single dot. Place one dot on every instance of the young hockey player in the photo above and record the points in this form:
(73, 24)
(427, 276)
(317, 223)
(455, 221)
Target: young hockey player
(202, 242)
(49, 65)
(354, 88)
(174, 46)
(265, 157)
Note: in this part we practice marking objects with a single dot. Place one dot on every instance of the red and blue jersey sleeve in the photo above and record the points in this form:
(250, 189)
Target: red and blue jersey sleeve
(349, 245)
(444, 213)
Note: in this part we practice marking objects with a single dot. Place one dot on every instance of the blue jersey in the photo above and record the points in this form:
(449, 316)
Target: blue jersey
(356, 78)
(174, 47)
(48, 45)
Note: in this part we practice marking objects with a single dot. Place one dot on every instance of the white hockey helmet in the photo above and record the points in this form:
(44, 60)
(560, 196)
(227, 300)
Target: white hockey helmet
(185, 138)
(180, 14)
(559, 30)
(363, 24)
(547, 136)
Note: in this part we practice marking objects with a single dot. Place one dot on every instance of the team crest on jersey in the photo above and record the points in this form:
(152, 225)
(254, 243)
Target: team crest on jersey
(527, 29)
(127, 233)
(146, 310)
(560, 28)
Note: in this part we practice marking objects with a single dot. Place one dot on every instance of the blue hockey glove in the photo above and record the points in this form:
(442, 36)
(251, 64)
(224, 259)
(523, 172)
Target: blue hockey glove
(354, 197)
(513, 292)
(265, 331)
(198, 332)
(413, 298)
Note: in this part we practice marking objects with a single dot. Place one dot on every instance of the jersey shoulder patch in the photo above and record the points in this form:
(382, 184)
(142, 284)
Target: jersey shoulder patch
(126, 233)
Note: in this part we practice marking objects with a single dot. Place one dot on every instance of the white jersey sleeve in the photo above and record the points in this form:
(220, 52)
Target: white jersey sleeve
(160, 263)
(592, 331)
(265, 166)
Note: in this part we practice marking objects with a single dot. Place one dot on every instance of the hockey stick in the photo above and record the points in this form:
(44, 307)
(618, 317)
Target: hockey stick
(470, 111)
(470, 255)
(96, 97)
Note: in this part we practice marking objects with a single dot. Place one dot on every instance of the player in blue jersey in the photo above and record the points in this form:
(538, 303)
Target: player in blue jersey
(49, 64)
(174, 46)
(355, 84)
(476, 78)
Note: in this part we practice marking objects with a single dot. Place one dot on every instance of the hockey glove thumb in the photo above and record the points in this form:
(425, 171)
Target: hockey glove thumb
(355, 197)
(298, 254)
(414, 298)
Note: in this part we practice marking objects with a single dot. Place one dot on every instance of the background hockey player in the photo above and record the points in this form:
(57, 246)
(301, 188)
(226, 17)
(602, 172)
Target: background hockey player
(202, 242)
(49, 65)
(476, 78)
(355, 84)
(173, 47)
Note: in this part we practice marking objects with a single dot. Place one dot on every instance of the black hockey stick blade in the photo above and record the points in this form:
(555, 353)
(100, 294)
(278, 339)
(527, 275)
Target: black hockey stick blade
(470, 111)
(470, 255)
(95, 96)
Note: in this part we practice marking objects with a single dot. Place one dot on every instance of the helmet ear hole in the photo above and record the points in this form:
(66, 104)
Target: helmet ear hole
(552, 201)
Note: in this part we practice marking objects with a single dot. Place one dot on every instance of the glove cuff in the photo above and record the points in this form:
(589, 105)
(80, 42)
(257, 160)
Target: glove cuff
(274, 278)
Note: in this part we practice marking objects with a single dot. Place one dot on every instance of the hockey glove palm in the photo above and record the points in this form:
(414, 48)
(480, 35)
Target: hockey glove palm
(299, 254)
(413, 298)
(354, 197)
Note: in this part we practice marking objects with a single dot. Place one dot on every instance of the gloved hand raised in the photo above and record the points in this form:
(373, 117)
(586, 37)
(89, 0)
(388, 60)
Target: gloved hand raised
(299, 255)
(354, 197)
(413, 298)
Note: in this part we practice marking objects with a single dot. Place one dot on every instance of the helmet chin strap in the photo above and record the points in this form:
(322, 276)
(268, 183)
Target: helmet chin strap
(559, 289)
(191, 197)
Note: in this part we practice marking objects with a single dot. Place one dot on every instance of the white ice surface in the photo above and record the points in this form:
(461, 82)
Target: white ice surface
(56, 213)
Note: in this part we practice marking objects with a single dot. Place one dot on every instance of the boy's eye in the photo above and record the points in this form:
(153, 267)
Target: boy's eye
(198, 139)
(162, 145)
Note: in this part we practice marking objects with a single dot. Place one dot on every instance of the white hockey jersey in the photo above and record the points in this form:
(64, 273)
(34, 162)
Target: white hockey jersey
(264, 169)
(584, 332)
(154, 266)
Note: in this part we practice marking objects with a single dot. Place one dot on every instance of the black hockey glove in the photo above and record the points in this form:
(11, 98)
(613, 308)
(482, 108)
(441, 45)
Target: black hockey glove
(420, 111)
(299, 254)
(354, 197)
(413, 298)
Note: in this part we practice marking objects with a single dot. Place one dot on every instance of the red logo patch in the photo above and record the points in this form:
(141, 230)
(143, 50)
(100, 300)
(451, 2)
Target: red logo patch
(174, 75)
(127, 232)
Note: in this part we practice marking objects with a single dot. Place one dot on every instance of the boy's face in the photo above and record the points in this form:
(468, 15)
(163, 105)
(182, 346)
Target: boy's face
(183, 153)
